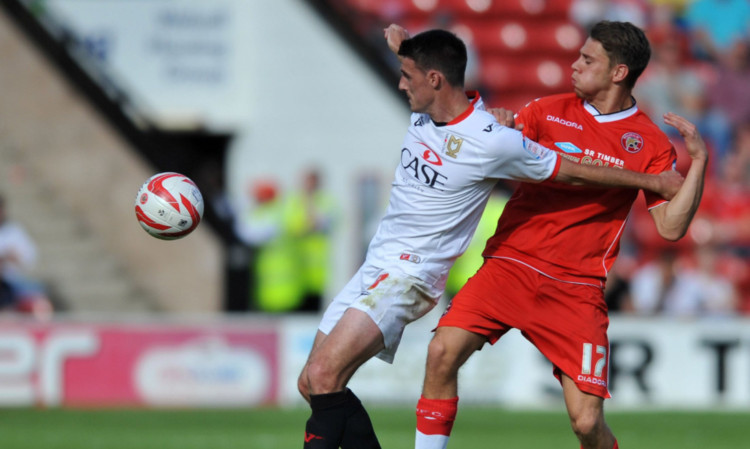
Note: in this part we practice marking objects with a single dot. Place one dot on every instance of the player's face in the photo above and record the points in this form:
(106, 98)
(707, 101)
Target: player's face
(592, 73)
(414, 82)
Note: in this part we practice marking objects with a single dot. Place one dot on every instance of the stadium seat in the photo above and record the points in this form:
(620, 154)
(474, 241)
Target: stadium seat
(491, 9)
(394, 10)
(513, 100)
(510, 73)
(485, 9)
(526, 36)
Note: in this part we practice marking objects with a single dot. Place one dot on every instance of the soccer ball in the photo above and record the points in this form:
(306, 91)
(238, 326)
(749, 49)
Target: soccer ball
(169, 206)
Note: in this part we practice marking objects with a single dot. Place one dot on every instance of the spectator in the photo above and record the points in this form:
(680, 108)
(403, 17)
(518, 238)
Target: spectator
(719, 297)
(729, 93)
(310, 216)
(587, 12)
(724, 215)
(674, 83)
(716, 25)
(276, 283)
(18, 252)
(469, 262)
(667, 286)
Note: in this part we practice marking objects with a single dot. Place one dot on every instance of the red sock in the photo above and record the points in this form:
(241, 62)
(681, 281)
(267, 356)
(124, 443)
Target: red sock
(436, 416)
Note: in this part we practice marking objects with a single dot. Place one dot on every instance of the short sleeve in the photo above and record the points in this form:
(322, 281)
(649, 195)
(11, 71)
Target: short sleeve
(527, 117)
(513, 156)
(666, 160)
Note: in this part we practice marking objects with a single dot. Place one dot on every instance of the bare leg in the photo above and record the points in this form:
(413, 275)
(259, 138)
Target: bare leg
(336, 357)
(586, 412)
(449, 349)
(338, 418)
(437, 408)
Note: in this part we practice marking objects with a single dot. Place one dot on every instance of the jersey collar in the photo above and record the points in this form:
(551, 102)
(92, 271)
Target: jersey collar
(474, 98)
(614, 116)
(462, 115)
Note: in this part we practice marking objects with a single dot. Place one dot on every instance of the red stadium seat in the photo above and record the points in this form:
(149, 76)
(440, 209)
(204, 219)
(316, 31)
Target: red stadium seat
(505, 74)
(395, 9)
(527, 36)
(514, 100)
(491, 9)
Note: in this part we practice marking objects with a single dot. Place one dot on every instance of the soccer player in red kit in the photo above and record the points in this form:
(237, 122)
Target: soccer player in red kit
(546, 265)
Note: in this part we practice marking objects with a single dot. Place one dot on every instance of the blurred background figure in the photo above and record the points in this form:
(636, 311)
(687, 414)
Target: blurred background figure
(674, 82)
(587, 12)
(310, 216)
(677, 287)
(276, 285)
(469, 262)
(728, 93)
(19, 292)
(715, 26)
(290, 241)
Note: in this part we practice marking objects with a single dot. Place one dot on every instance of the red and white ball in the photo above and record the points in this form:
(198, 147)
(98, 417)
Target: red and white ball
(169, 206)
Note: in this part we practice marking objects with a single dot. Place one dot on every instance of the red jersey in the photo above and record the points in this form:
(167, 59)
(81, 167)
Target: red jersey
(572, 233)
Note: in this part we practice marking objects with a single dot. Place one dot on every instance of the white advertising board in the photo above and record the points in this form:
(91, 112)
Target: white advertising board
(655, 363)
(255, 361)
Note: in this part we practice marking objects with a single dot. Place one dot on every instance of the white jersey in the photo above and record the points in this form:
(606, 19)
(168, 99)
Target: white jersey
(442, 184)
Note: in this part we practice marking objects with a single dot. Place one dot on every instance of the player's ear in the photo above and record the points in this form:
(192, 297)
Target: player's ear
(435, 79)
(619, 73)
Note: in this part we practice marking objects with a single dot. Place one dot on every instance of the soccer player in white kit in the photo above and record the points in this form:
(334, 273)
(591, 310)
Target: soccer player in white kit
(453, 154)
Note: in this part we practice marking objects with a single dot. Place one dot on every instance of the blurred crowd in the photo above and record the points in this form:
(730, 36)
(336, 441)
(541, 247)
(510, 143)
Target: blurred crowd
(700, 69)
(289, 234)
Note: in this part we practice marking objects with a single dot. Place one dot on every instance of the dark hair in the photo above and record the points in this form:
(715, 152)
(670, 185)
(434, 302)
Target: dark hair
(624, 43)
(437, 50)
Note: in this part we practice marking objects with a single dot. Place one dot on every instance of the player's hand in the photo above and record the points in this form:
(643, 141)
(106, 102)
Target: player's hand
(505, 117)
(670, 182)
(694, 144)
(394, 35)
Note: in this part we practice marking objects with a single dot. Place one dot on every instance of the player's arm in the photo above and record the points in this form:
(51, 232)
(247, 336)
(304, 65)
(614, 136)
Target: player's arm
(505, 117)
(665, 184)
(673, 218)
(394, 35)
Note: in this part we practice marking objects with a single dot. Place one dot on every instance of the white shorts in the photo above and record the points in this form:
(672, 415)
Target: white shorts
(390, 297)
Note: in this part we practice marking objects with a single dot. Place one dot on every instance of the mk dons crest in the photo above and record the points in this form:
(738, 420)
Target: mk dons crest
(453, 147)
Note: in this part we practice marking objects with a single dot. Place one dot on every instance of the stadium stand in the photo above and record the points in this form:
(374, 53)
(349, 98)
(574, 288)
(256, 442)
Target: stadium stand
(71, 179)
(523, 47)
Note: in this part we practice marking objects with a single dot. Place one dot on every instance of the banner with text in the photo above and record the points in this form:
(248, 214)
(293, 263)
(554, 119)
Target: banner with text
(245, 363)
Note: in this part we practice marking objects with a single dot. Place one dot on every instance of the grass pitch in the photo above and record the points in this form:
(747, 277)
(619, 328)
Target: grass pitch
(476, 428)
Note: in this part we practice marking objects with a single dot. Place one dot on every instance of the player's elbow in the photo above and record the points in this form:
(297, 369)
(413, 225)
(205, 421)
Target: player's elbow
(672, 233)
(671, 225)
(673, 237)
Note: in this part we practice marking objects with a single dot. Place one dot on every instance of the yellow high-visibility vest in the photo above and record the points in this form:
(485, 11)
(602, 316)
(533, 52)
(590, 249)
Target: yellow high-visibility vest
(470, 261)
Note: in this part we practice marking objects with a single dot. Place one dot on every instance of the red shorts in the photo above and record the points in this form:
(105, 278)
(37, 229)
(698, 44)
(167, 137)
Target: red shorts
(567, 322)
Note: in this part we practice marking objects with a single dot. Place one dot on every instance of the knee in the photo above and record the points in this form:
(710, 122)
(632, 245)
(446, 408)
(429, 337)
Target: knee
(303, 385)
(319, 378)
(587, 424)
(440, 359)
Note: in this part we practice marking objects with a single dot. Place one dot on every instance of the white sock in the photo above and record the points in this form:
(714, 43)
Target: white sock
(424, 441)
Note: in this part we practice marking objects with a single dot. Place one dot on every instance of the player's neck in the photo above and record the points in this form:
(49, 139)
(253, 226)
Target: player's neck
(609, 103)
(449, 106)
